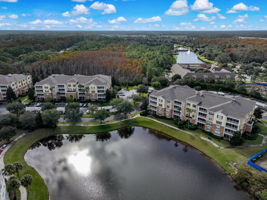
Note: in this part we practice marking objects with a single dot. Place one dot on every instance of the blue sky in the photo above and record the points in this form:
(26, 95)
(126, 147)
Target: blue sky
(133, 15)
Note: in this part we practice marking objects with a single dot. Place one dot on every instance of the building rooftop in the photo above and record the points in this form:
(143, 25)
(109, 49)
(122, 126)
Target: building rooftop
(177, 92)
(9, 78)
(237, 107)
(57, 79)
(188, 58)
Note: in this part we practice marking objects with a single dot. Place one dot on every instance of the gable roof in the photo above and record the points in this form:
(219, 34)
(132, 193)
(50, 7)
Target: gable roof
(57, 79)
(9, 78)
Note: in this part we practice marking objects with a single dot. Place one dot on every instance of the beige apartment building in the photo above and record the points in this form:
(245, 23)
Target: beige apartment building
(20, 84)
(59, 86)
(220, 115)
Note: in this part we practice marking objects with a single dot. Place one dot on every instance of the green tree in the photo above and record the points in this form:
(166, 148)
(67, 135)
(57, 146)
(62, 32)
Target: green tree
(236, 140)
(48, 106)
(50, 118)
(26, 180)
(10, 94)
(101, 115)
(9, 170)
(28, 121)
(8, 120)
(258, 113)
(7, 132)
(17, 167)
(124, 107)
(16, 108)
(176, 77)
(72, 112)
(31, 94)
(156, 85)
(13, 184)
(142, 89)
(92, 109)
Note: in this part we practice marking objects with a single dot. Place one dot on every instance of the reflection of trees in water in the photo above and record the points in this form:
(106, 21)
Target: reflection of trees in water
(126, 132)
(176, 144)
(74, 138)
(104, 136)
(51, 143)
(185, 148)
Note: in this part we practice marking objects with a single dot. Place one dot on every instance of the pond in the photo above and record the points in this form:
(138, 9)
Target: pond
(132, 163)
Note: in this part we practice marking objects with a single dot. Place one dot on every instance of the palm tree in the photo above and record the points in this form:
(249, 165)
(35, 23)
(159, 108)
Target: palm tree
(26, 180)
(12, 185)
(9, 170)
(17, 167)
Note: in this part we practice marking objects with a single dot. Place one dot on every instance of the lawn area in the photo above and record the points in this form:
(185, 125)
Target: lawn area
(24, 99)
(263, 128)
(38, 190)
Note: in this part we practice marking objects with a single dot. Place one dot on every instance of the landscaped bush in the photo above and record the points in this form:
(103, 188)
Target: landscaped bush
(191, 126)
(144, 113)
(181, 124)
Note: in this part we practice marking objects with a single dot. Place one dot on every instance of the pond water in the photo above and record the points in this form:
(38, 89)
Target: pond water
(129, 164)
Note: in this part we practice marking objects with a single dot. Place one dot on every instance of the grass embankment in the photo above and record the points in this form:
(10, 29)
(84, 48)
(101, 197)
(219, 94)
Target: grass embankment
(38, 190)
(202, 58)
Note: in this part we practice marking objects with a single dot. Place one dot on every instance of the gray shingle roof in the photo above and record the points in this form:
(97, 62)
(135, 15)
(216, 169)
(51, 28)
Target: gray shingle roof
(177, 92)
(57, 79)
(8, 79)
(237, 107)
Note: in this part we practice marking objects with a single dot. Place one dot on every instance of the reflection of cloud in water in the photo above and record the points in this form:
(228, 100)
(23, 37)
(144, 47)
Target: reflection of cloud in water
(128, 169)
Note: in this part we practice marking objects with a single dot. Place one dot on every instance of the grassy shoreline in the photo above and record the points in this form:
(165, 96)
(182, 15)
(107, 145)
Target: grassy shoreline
(39, 191)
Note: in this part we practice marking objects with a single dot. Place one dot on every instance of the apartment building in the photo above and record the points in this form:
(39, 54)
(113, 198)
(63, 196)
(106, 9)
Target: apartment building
(60, 86)
(220, 115)
(20, 84)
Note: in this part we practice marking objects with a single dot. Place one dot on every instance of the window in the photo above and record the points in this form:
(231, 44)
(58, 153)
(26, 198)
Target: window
(219, 117)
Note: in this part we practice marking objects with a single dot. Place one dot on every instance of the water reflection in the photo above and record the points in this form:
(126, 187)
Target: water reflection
(81, 161)
(102, 137)
(146, 166)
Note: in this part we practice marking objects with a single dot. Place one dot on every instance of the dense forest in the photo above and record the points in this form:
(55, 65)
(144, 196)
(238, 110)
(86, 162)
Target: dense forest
(130, 57)
(248, 53)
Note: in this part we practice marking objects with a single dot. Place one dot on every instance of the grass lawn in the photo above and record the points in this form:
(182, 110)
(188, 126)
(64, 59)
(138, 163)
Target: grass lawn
(263, 128)
(38, 190)
(24, 99)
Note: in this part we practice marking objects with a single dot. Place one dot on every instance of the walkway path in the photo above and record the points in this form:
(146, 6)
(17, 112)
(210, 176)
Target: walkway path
(23, 191)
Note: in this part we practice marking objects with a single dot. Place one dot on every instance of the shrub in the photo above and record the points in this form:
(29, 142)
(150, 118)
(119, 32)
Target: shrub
(144, 113)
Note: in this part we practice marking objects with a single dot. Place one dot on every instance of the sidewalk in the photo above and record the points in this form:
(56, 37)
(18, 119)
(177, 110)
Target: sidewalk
(23, 191)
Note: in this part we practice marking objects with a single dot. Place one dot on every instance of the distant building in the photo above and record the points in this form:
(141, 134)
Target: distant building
(59, 86)
(186, 73)
(222, 116)
(20, 84)
(127, 94)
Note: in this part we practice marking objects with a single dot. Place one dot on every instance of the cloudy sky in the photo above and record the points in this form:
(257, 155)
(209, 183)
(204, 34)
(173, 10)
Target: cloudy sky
(133, 15)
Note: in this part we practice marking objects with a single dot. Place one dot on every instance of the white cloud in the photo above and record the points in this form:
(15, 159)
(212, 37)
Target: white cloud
(202, 5)
(187, 25)
(212, 10)
(2, 17)
(223, 26)
(78, 9)
(221, 16)
(118, 20)
(241, 18)
(52, 22)
(83, 22)
(25, 15)
(9, 1)
(80, 1)
(106, 8)
(147, 20)
(242, 7)
(4, 24)
(13, 16)
(179, 7)
(37, 21)
(205, 18)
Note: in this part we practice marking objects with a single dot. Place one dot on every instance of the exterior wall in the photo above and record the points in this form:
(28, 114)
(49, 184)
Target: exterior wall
(216, 123)
(72, 90)
(19, 87)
